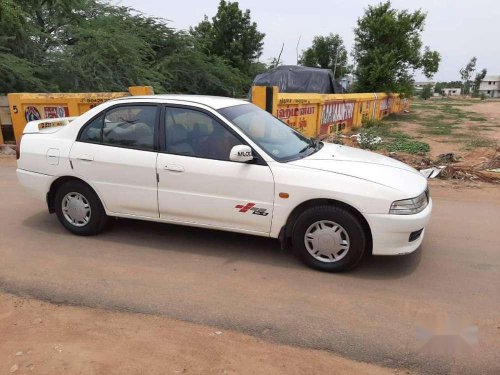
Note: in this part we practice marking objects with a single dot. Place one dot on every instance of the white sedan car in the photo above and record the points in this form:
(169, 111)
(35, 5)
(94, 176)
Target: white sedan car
(223, 164)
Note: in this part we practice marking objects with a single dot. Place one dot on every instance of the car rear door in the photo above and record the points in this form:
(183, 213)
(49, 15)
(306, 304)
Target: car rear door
(197, 183)
(115, 153)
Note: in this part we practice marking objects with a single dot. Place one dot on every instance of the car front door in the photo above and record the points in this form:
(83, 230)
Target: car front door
(116, 154)
(198, 184)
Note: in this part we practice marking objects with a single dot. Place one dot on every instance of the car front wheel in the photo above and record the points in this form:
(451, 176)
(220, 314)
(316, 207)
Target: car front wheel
(79, 209)
(329, 238)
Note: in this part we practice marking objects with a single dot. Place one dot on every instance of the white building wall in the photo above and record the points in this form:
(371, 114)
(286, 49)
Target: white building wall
(490, 86)
(452, 91)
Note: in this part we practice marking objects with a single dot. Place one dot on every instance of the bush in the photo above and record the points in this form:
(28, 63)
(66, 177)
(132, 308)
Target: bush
(426, 92)
(368, 138)
(336, 138)
(369, 123)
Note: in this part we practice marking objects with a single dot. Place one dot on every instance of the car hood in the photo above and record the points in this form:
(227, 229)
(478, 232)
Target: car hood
(367, 166)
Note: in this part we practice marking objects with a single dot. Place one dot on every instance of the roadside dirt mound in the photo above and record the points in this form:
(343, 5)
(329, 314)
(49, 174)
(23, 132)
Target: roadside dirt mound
(479, 165)
(42, 338)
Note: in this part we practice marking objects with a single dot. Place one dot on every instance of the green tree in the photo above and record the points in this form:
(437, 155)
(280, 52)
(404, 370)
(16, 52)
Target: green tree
(92, 45)
(48, 21)
(231, 35)
(18, 73)
(192, 72)
(430, 62)
(388, 49)
(110, 49)
(478, 79)
(466, 74)
(426, 92)
(40, 28)
(203, 35)
(327, 52)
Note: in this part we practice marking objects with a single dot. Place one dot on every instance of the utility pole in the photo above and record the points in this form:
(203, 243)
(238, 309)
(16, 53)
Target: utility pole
(297, 49)
(335, 64)
(341, 86)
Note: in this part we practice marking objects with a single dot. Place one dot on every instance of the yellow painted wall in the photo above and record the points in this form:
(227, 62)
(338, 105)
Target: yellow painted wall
(25, 107)
(324, 114)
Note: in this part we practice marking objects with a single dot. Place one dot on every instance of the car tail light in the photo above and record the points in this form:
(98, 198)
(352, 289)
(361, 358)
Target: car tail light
(18, 147)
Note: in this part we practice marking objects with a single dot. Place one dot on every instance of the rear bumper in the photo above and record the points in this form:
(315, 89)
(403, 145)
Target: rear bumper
(36, 184)
(391, 233)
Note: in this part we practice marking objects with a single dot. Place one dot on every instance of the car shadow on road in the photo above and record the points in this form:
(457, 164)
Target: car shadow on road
(388, 267)
(233, 247)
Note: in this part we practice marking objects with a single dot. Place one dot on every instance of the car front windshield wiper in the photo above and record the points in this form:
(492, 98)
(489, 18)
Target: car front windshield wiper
(307, 147)
(314, 142)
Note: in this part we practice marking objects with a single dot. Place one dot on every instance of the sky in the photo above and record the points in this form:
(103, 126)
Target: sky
(457, 29)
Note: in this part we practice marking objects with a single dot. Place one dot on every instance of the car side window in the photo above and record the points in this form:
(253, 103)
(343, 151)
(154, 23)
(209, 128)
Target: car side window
(193, 133)
(93, 131)
(130, 126)
(126, 126)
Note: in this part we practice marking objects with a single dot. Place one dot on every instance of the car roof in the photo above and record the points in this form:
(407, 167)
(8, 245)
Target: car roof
(215, 102)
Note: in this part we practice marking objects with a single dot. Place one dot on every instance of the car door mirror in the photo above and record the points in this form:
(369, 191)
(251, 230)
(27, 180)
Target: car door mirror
(241, 154)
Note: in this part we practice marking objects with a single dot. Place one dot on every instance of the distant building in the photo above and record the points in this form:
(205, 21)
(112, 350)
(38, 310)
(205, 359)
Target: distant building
(452, 91)
(419, 86)
(490, 86)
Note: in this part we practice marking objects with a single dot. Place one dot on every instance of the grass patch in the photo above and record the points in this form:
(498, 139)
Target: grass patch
(443, 122)
(480, 142)
(458, 114)
(436, 103)
(408, 145)
(437, 124)
(424, 106)
(392, 140)
(472, 117)
(455, 103)
(461, 136)
(409, 117)
(453, 111)
(439, 129)
(482, 128)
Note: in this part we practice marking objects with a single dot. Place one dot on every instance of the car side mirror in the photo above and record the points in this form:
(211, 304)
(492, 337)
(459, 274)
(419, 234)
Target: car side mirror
(241, 154)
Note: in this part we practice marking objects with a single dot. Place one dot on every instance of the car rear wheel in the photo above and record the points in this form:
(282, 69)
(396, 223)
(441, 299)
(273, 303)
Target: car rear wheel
(329, 238)
(79, 209)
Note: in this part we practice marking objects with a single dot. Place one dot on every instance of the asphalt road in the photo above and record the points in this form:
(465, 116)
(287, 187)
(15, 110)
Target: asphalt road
(435, 311)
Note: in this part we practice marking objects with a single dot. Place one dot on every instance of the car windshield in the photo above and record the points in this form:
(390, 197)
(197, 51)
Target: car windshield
(276, 138)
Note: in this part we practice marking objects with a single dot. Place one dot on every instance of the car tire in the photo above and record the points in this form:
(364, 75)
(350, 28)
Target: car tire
(329, 238)
(79, 209)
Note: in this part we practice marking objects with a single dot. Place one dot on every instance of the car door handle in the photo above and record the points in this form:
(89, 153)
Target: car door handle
(86, 157)
(174, 168)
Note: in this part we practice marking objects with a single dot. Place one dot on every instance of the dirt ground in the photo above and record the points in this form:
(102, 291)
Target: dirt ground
(43, 338)
(464, 129)
(7, 160)
(491, 110)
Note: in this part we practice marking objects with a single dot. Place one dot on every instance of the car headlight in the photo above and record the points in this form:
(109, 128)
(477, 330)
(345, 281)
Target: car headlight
(410, 206)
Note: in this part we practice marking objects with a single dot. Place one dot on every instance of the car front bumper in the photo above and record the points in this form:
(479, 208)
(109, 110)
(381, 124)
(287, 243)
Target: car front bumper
(391, 233)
